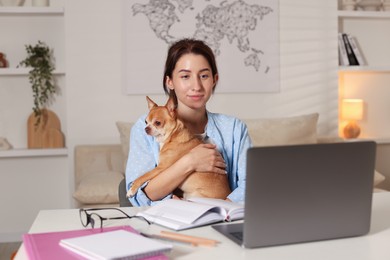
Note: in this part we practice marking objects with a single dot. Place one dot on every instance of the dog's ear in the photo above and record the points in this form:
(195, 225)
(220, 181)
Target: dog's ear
(171, 106)
(151, 104)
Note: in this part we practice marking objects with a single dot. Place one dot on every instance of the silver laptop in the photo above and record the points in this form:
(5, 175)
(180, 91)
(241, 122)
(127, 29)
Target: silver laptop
(303, 193)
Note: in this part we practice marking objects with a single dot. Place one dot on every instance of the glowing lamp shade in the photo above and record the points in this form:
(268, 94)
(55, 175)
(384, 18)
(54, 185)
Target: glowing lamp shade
(352, 110)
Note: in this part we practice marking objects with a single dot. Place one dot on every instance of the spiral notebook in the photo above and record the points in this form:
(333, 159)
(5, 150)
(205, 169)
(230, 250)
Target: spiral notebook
(119, 244)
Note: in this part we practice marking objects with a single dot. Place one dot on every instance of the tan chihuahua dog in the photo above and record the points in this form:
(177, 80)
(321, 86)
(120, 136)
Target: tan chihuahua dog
(175, 141)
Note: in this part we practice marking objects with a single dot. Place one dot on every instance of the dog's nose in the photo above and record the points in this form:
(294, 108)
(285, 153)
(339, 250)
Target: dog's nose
(147, 130)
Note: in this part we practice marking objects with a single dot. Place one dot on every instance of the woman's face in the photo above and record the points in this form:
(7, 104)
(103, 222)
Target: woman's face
(192, 80)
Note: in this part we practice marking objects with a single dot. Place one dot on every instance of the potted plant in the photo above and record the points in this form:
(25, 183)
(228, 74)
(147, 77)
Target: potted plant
(40, 59)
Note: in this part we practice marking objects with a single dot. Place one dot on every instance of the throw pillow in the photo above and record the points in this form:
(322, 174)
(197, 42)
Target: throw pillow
(283, 131)
(378, 178)
(124, 132)
(99, 188)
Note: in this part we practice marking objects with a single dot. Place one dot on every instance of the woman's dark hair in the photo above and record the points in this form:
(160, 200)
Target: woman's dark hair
(182, 47)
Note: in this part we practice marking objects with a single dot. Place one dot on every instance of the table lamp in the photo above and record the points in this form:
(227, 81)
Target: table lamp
(352, 110)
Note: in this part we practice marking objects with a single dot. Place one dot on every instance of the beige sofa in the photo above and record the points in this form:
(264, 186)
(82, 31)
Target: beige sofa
(100, 168)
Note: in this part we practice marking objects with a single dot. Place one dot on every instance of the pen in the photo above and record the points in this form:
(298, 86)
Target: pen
(189, 239)
(175, 237)
(166, 239)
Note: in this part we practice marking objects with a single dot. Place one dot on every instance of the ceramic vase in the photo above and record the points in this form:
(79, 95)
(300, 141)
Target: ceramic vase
(3, 61)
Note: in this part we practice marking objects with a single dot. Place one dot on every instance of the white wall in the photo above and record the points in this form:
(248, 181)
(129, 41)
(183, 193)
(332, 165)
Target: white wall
(95, 101)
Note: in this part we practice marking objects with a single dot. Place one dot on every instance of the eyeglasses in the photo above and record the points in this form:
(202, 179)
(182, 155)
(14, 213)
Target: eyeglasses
(95, 219)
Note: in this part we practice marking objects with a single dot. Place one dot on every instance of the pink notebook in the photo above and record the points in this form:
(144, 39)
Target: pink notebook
(41, 246)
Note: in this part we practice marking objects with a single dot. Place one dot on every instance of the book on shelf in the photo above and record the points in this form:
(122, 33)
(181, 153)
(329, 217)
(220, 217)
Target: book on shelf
(45, 246)
(355, 49)
(118, 244)
(350, 54)
(195, 212)
(342, 51)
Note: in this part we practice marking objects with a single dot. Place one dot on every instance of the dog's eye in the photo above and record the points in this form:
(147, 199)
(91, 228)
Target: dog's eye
(157, 123)
(146, 122)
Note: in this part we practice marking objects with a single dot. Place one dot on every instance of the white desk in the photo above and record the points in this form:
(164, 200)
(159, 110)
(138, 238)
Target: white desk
(375, 245)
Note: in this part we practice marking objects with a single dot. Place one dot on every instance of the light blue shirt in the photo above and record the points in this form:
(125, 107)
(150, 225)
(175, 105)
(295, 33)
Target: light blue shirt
(228, 133)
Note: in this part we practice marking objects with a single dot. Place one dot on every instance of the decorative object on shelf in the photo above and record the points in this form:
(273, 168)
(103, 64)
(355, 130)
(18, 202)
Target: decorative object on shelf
(349, 5)
(4, 144)
(352, 110)
(40, 58)
(3, 61)
(370, 5)
(47, 133)
(12, 2)
(40, 2)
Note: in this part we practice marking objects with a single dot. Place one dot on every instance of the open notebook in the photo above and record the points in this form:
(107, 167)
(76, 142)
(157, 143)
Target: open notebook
(195, 212)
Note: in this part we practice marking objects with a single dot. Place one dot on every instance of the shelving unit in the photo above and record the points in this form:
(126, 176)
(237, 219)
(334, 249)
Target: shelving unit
(22, 169)
(369, 82)
(20, 26)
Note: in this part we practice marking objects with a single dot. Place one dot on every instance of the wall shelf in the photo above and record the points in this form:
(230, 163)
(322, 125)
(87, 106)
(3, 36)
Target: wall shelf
(24, 72)
(364, 14)
(364, 68)
(18, 153)
(31, 10)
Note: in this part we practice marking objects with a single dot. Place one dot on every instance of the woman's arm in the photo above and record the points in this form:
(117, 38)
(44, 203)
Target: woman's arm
(143, 157)
(203, 158)
(241, 142)
(231, 136)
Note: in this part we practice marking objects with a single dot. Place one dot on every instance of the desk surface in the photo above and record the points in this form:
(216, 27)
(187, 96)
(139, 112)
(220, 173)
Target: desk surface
(374, 245)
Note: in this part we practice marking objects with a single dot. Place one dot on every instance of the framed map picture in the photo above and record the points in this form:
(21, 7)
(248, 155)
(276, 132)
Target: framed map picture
(244, 35)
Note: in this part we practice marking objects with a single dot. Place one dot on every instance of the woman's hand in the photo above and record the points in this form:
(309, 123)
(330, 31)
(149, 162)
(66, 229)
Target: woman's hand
(206, 158)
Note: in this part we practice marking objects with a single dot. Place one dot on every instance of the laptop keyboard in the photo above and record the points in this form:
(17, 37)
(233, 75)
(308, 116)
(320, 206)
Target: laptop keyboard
(238, 235)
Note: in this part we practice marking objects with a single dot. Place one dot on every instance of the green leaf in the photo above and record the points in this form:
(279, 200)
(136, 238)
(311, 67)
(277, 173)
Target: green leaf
(40, 58)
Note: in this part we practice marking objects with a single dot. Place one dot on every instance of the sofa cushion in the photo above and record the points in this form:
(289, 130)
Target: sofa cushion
(99, 187)
(97, 158)
(124, 132)
(378, 178)
(283, 131)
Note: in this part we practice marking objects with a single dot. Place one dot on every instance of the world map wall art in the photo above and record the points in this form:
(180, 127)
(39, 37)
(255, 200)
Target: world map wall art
(244, 35)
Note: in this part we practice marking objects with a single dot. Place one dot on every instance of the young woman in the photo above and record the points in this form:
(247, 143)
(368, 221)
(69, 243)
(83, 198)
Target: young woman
(190, 76)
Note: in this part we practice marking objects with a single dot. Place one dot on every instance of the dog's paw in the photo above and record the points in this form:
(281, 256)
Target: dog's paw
(131, 192)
